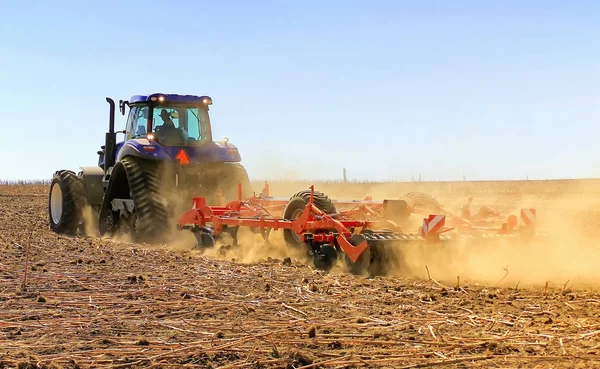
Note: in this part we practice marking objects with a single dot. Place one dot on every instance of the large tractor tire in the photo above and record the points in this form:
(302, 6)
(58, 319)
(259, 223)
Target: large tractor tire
(66, 202)
(138, 180)
(231, 175)
(296, 206)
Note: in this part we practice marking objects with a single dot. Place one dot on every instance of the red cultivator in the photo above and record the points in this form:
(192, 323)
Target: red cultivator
(365, 234)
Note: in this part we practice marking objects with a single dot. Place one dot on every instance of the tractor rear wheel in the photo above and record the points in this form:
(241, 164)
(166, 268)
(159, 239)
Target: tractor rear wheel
(65, 202)
(296, 206)
(231, 175)
(151, 213)
(139, 180)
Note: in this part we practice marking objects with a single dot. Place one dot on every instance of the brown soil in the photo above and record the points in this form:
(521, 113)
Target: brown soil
(88, 302)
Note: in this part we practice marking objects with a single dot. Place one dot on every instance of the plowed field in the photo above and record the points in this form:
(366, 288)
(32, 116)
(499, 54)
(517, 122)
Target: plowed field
(88, 302)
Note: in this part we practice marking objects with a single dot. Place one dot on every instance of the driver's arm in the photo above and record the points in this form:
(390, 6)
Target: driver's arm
(184, 134)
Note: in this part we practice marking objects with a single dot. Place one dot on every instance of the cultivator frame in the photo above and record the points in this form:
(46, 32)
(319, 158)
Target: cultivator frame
(359, 235)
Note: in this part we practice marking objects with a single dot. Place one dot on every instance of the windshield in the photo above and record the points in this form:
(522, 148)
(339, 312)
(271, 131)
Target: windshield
(175, 125)
(178, 125)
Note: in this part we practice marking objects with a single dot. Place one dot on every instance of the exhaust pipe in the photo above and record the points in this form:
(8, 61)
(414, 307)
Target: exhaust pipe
(110, 138)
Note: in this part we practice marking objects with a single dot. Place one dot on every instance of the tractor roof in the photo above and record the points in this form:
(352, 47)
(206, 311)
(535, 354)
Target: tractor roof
(191, 99)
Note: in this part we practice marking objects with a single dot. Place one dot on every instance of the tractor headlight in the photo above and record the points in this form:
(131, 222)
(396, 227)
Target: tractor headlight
(158, 98)
(150, 137)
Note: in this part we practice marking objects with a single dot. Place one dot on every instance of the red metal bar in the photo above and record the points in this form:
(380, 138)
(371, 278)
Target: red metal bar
(353, 252)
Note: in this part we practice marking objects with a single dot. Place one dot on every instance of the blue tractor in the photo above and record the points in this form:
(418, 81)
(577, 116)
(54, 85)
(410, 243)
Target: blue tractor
(140, 184)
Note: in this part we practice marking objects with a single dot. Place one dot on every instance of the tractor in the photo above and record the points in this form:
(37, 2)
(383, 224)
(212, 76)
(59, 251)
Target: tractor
(140, 184)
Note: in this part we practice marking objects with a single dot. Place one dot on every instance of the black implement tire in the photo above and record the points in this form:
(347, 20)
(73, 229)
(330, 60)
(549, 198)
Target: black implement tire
(295, 207)
(325, 257)
(423, 201)
(65, 202)
(321, 201)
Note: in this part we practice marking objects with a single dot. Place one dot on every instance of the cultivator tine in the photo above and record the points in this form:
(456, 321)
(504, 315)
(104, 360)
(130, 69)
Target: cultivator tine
(353, 248)
(198, 202)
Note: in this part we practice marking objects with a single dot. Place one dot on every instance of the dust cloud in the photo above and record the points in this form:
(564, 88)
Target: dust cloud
(566, 250)
(250, 248)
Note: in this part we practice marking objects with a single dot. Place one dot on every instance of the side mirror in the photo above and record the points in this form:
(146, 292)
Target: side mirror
(122, 104)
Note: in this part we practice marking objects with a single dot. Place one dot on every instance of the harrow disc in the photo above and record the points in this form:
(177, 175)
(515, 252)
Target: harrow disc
(325, 257)
(361, 265)
(204, 240)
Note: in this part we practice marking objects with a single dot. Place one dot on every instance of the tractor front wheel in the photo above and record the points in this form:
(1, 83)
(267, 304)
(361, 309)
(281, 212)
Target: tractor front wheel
(65, 203)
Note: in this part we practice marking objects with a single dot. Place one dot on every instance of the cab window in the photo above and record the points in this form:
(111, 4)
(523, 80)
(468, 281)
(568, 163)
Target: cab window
(140, 122)
(189, 121)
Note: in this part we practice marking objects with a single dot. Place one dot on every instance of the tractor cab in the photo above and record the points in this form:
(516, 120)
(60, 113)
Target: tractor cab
(165, 127)
(169, 120)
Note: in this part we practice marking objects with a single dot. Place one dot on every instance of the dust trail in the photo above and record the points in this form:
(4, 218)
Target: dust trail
(251, 247)
(569, 252)
(567, 214)
(90, 222)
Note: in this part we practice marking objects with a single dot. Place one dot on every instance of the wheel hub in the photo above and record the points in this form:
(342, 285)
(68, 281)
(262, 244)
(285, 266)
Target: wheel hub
(56, 203)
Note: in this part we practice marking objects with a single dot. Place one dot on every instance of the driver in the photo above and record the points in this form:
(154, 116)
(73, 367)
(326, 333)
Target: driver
(168, 122)
(168, 131)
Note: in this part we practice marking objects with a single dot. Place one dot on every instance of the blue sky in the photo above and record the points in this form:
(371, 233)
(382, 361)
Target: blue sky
(386, 89)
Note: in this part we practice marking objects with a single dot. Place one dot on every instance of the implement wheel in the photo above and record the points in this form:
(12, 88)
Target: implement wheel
(65, 203)
(423, 201)
(296, 206)
(325, 257)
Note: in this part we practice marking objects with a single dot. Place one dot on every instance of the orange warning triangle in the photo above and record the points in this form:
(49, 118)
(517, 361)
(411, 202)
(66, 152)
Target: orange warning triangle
(183, 158)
